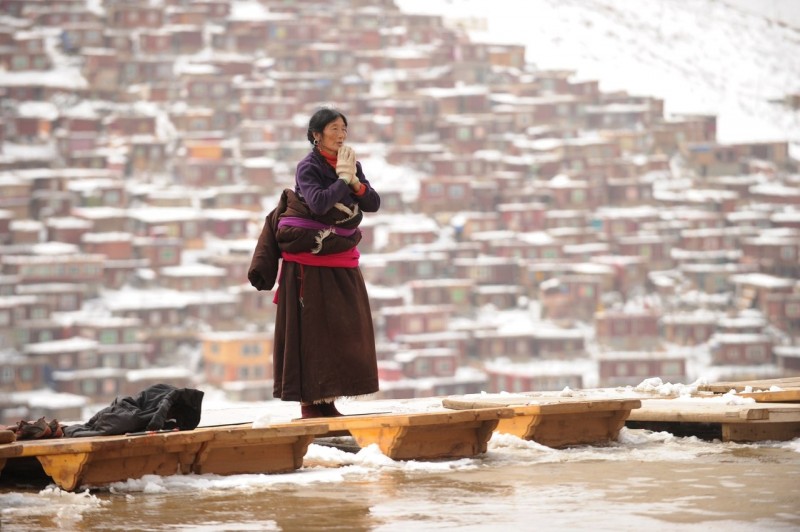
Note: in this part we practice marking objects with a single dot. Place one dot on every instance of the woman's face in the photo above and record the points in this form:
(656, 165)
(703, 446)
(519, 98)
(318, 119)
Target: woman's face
(332, 137)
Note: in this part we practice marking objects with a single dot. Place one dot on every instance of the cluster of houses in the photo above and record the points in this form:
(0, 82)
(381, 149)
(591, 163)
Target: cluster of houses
(555, 235)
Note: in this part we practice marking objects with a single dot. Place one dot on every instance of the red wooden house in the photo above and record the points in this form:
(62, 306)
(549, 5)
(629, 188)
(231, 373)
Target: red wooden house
(415, 319)
(533, 376)
(741, 349)
(20, 374)
(689, 328)
(627, 331)
(394, 269)
(132, 16)
(489, 270)
(114, 246)
(783, 310)
(459, 342)
(570, 297)
(774, 253)
(630, 368)
(455, 292)
(69, 230)
(158, 251)
(427, 363)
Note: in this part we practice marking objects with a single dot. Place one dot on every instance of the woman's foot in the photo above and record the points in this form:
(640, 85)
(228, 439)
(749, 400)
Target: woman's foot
(310, 411)
(329, 410)
(319, 410)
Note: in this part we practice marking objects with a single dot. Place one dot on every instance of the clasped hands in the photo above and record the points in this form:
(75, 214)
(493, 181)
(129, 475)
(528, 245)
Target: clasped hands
(346, 166)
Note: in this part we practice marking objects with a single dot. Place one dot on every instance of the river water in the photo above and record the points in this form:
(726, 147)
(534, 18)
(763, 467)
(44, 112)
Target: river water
(645, 480)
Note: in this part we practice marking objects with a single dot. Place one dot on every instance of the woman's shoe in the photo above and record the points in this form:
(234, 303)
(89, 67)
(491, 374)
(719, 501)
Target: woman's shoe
(329, 410)
(311, 411)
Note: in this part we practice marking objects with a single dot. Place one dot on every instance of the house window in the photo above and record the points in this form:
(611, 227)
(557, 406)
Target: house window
(435, 189)
(23, 336)
(733, 354)
(458, 296)
(111, 360)
(424, 269)
(792, 310)
(671, 368)
(87, 360)
(7, 374)
(423, 366)
(444, 367)
(88, 387)
(26, 374)
(787, 253)
(755, 353)
(456, 192)
(109, 386)
(415, 325)
(5, 318)
(108, 337)
(219, 89)
(19, 62)
(642, 369)
(199, 90)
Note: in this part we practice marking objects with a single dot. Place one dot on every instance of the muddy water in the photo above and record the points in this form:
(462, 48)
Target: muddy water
(627, 487)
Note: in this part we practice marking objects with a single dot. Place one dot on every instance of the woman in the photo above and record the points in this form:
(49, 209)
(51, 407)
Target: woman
(324, 345)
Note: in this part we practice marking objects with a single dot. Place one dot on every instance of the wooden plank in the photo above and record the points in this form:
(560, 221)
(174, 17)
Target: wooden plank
(96, 461)
(73, 463)
(790, 388)
(423, 435)
(751, 432)
(555, 421)
(711, 411)
(243, 449)
(737, 423)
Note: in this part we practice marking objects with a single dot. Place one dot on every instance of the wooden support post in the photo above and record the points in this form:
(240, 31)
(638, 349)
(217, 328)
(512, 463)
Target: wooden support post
(424, 436)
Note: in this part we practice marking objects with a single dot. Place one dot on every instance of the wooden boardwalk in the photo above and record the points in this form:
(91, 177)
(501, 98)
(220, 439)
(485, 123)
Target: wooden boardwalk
(100, 460)
(762, 410)
(430, 429)
(423, 436)
(552, 420)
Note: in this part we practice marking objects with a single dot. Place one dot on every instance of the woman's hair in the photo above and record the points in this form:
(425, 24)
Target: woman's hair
(320, 119)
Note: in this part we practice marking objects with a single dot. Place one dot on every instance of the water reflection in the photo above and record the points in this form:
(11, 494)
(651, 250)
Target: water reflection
(685, 483)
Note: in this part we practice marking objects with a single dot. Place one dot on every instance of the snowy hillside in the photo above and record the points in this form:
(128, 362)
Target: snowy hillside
(700, 56)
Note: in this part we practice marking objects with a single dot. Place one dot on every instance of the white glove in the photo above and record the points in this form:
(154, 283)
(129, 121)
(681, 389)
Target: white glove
(346, 164)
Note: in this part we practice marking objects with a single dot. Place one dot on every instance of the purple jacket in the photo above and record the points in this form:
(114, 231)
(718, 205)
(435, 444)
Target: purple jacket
(316, 181)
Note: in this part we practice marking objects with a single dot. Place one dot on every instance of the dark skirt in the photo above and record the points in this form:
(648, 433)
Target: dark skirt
(324, 344)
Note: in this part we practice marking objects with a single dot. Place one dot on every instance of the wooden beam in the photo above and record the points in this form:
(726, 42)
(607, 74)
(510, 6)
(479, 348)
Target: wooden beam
(426, 435)
(553, 421)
